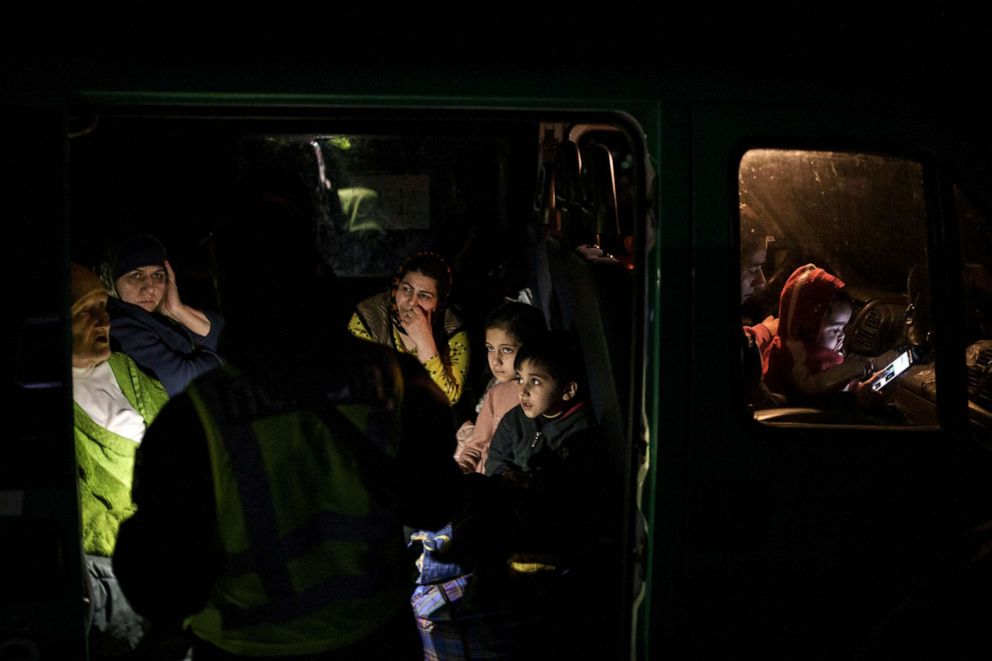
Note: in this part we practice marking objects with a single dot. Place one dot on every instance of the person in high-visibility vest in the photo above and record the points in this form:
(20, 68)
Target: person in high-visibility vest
(273, 492)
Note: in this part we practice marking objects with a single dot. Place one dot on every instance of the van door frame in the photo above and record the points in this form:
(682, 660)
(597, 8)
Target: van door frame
(629, 115)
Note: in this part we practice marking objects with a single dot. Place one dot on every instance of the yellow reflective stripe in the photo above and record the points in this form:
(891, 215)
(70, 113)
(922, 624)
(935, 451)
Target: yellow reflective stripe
(531, 567)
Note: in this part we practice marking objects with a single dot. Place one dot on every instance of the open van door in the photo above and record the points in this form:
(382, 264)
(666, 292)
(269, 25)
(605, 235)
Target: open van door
(536, 205)
(41, 606)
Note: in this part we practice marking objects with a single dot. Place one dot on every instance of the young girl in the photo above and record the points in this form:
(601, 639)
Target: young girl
(508, 327)
(805, 361)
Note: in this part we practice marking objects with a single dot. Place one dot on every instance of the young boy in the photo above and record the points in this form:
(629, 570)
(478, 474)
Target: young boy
(527, 548)
(552, 434)
(805, 361)
(547, 461)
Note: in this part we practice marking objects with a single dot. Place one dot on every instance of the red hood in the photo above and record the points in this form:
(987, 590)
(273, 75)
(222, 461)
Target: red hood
(804, 301)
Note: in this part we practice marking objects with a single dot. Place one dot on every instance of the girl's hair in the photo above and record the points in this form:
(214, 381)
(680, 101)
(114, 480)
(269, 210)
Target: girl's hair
(524, 322)
(433, 266)
(558, 354)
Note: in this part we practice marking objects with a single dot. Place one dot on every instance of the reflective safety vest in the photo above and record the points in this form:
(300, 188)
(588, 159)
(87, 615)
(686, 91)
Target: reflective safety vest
(315, 558)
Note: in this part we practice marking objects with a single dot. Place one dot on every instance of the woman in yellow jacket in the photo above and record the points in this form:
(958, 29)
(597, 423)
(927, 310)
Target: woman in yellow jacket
(412, 318)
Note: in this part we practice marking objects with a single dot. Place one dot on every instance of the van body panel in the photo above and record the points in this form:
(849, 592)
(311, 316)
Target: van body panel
(757, 538)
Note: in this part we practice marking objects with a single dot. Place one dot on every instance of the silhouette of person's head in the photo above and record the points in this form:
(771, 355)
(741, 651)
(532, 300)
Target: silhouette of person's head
(272, 287)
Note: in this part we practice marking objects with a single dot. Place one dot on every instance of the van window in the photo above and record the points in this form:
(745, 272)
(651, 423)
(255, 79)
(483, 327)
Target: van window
(834, 288)
(380, 198)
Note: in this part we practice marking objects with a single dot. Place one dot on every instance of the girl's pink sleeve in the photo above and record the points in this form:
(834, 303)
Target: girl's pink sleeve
(471, 456)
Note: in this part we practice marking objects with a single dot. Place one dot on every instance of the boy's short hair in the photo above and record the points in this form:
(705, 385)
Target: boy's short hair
(557, 353)
(524, 322)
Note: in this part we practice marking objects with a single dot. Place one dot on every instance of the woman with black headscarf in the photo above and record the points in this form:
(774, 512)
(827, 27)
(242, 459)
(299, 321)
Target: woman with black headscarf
(150, 323)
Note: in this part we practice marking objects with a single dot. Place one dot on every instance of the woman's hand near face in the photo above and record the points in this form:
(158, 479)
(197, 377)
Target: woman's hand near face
(173, 308)
(170, 305)
(417, 324)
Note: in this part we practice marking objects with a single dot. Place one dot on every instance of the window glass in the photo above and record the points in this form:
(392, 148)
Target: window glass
(380, 198)
(833, 288)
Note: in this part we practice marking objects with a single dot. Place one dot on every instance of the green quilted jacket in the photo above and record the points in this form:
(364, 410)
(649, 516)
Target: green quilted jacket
(106, 459)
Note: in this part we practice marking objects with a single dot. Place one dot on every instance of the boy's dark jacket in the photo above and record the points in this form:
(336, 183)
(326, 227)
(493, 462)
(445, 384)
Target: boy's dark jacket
(538, 445)
(551, 473)
(553, 502)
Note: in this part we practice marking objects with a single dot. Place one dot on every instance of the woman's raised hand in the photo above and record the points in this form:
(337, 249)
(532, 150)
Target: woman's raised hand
(176, 310)
(171, 305)
(417, 324)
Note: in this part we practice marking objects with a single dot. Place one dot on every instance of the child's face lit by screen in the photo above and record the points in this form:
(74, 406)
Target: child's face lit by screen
(831, 334)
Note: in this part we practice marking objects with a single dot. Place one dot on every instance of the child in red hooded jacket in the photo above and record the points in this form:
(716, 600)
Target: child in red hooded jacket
(805, 359)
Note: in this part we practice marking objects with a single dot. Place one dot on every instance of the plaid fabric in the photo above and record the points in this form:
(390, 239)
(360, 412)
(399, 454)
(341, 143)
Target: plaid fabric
(526, 622)
(427, 599)
(496, 634)
(522, 623)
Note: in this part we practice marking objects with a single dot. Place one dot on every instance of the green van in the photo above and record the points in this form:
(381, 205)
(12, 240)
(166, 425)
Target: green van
(752, 525)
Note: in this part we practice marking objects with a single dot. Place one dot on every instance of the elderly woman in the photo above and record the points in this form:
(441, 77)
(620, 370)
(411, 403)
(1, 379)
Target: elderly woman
(411, 317)
(150, 323)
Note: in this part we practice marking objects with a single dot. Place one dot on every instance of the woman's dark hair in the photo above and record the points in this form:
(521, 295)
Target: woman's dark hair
(524, 322)
(431, 265)
(557, 353)
(265, 259)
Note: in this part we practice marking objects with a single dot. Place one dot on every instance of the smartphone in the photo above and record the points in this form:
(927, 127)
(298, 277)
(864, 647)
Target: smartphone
(893, 369)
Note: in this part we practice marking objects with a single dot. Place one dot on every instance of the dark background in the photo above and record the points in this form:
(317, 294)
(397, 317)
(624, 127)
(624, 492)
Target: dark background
(937, 58)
